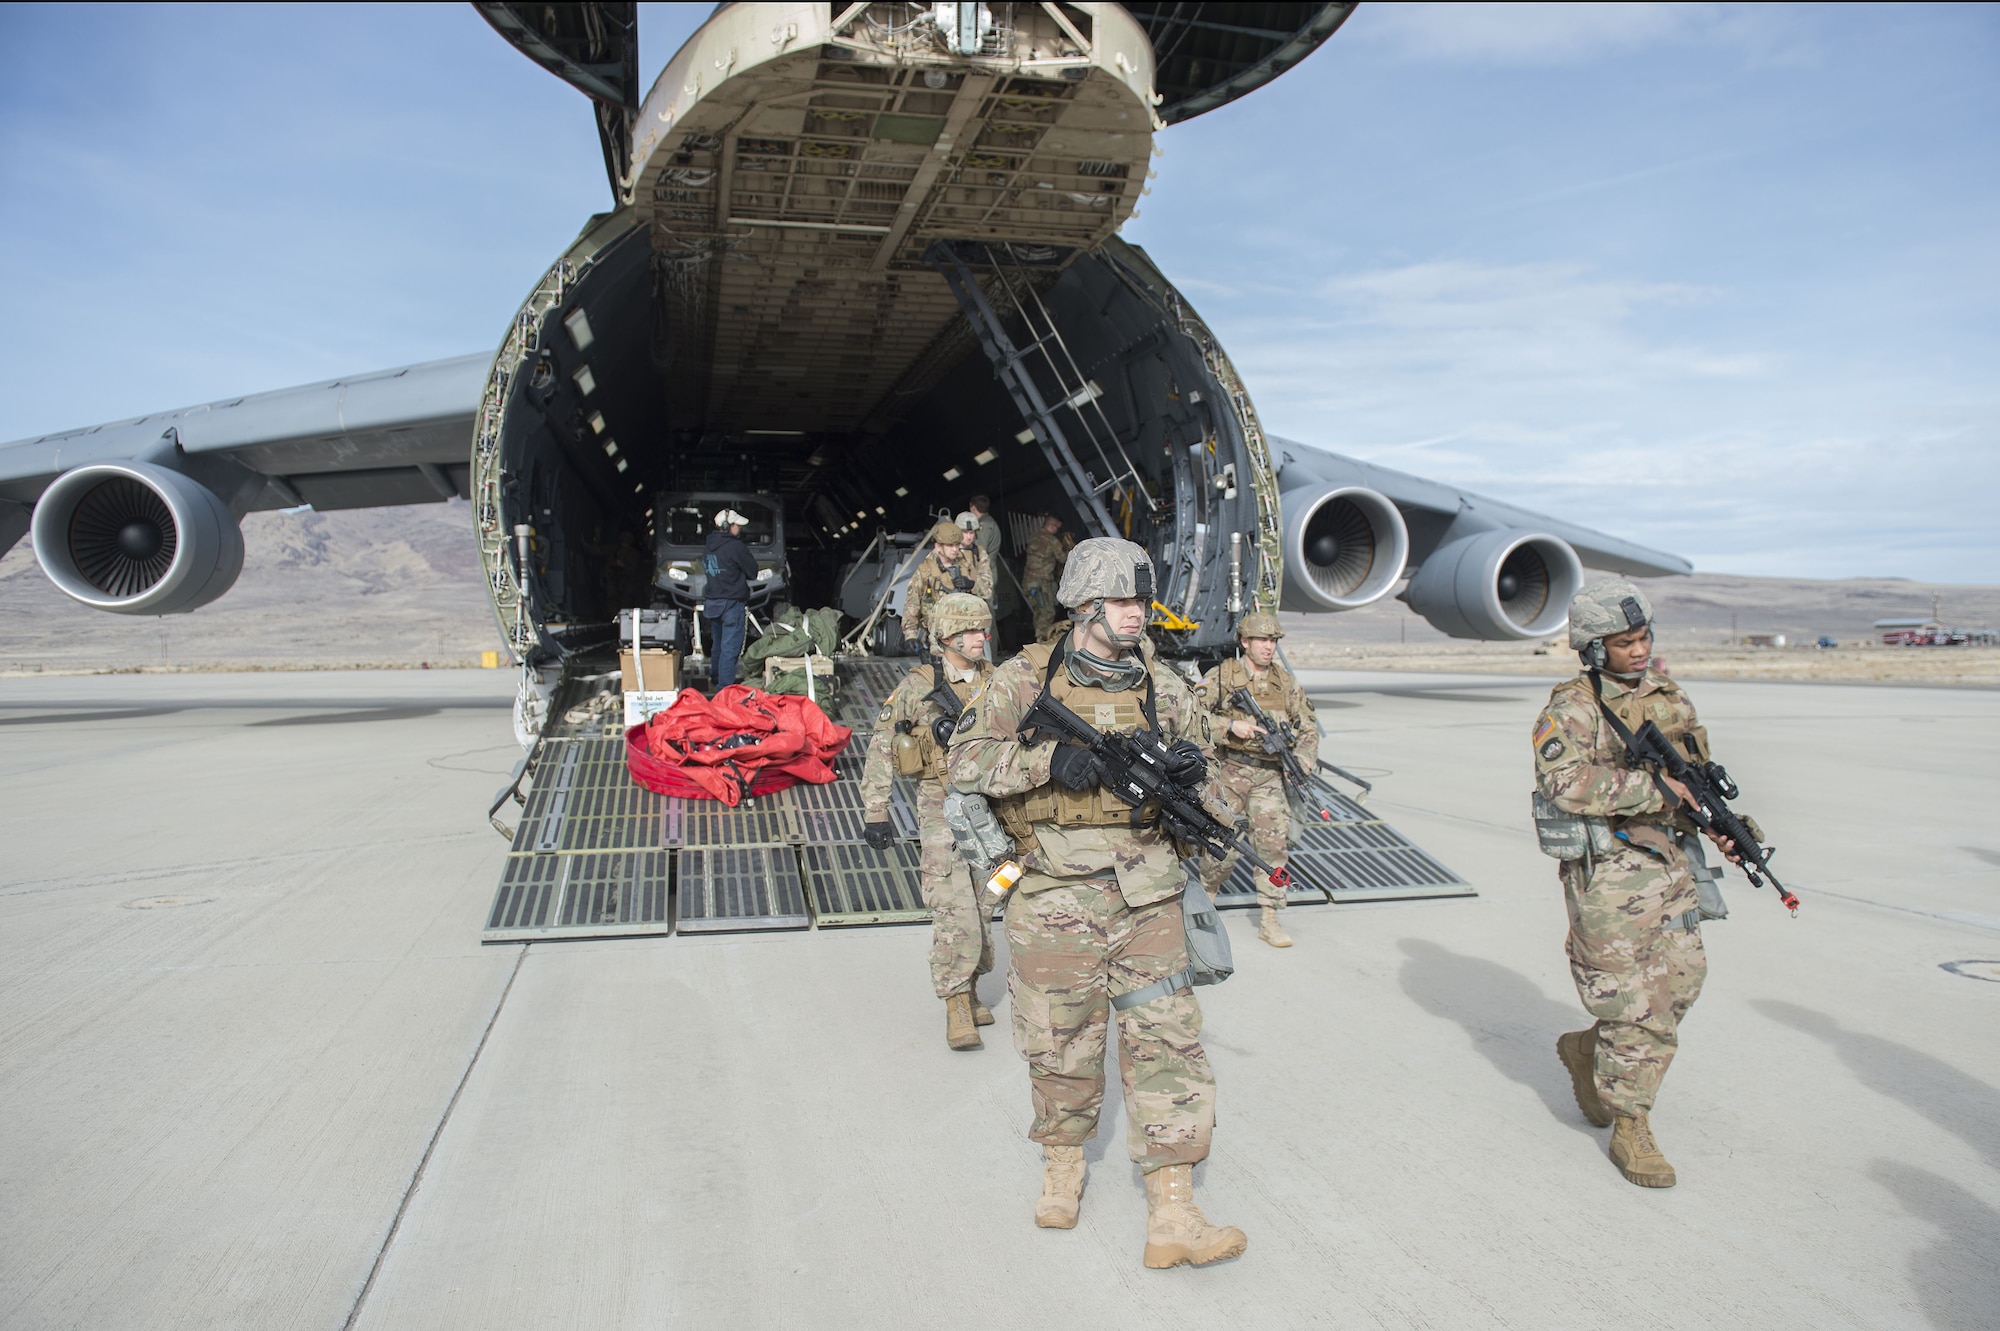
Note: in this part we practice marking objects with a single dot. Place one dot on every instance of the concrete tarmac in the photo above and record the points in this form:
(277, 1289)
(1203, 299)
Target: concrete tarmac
(258, 1070)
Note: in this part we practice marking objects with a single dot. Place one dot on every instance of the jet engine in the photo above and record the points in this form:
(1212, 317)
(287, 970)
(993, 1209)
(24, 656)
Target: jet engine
(1345, 546)
(1497, 585)
(136, 539)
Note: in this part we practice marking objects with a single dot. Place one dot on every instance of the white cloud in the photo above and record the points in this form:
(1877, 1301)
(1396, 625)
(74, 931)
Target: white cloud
(1580, 395)
(1534, 332)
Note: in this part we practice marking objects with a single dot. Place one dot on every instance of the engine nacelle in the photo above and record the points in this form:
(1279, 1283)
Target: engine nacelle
(136, 539)
(1497, 585)
(1345, 546)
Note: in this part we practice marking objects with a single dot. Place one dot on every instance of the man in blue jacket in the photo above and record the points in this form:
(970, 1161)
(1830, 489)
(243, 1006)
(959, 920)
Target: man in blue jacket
(731, 568)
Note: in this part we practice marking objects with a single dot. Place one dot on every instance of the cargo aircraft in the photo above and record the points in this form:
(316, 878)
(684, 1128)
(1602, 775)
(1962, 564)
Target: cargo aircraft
(861, 260)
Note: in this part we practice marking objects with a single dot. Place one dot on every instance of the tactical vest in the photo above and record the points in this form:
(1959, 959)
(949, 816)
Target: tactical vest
(1634, 710)
(1273, 693)
(1106, 712)
(930, 750)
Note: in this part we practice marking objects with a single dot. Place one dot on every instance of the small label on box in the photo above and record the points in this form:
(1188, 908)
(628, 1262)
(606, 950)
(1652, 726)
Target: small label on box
(639, 707)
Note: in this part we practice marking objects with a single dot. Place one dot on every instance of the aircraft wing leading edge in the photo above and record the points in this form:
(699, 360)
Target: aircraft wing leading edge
(400, 436)
(1430, 507)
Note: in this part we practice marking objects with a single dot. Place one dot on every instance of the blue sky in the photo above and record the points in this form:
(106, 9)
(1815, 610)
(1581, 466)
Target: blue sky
(1720, 279)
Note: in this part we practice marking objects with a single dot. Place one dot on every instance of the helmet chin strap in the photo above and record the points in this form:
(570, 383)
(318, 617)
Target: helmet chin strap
(1124, 642)
(1088, 668)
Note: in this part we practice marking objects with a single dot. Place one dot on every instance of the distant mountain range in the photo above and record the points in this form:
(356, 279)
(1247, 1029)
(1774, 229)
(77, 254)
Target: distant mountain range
(402, 586)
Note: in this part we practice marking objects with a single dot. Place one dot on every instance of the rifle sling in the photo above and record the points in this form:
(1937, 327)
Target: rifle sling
(1631, 744)
(946, 700)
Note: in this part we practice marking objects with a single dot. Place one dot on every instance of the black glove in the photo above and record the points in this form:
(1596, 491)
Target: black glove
(1186, 765)
(878, 835)
(1074, 768)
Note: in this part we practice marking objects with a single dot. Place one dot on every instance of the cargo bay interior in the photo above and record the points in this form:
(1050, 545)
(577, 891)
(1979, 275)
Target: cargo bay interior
(809, 300)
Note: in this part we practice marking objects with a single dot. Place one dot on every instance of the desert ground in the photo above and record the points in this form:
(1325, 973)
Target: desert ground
(401, 588)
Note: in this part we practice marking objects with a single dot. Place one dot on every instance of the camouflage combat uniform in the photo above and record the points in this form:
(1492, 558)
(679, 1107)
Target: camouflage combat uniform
(1634, 951)
(1248, 780)
(961, 946)
(1044, 565)
(1097, 914)
(933, 581)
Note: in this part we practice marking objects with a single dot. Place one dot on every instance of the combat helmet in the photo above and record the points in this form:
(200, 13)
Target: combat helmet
(959, 612)
(947, 533)
(1605, 610)
(1259, 624)
(1105, 566)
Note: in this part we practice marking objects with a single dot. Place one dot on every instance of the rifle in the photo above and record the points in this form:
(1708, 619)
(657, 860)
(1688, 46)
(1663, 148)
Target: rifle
(1136, 769)
(1278, 741)
(945, 701)
(1711, 788)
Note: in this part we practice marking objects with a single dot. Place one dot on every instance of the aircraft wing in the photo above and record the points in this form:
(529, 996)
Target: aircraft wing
(1476, 567)
(1430, 508)
(399, 436)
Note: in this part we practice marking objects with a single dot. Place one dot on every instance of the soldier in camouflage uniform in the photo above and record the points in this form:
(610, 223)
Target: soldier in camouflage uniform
(1249, 780)
(1044, 566)
(1095, 922)
(950, 567)
(905, 741)
(1634, 931)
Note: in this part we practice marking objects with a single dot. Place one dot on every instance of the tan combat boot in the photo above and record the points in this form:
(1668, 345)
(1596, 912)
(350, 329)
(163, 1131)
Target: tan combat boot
(959, 1032)
(981, 1014)
(1062, 1187)
(1177, 1232)
(1637, 1155)
(1578, 1051)
(1269, 930)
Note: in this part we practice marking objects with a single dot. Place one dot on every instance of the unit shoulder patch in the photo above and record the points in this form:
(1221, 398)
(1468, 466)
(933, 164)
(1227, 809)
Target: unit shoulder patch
(1552, 749)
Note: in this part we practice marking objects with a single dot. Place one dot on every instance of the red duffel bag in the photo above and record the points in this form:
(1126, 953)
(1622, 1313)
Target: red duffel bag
(739, 744)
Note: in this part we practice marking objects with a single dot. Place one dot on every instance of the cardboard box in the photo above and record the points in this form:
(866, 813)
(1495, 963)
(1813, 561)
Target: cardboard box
(663, 670)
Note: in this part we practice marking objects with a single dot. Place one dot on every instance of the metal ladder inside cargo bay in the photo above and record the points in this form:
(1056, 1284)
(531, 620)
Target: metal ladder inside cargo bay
(1074, 396)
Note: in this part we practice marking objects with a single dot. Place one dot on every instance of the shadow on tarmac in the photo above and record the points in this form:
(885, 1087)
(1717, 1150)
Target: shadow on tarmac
(1957, 1278)
(1960, 1104)
(58, 718)
(1992, 857)
(348, 718)
(1511, 1021)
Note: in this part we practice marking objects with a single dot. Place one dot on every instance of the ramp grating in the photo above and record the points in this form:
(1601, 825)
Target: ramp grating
(1358, 857)
(740, 888)
(580, 896)
(584, 800)
(762, 822)
(855, 884)
(594, 854)
(1239, 890)
(870, 681)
